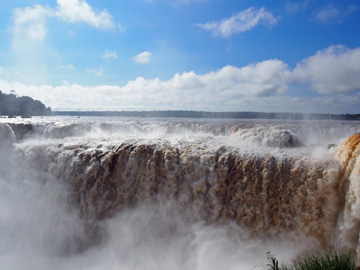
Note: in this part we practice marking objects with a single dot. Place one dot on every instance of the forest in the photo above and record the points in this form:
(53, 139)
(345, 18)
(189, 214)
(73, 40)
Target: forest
(12, 105)
(204, 114)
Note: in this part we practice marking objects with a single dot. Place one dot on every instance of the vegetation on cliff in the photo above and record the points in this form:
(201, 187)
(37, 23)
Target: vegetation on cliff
(319, 261)
(13, 105)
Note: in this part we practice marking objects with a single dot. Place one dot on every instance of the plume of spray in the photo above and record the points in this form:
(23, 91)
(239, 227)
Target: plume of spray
(96, 196)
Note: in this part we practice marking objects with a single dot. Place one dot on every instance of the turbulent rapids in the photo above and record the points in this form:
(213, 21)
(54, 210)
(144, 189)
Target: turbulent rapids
(179, 194)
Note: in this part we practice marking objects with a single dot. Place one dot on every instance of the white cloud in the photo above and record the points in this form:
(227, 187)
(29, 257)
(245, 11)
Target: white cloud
(240, 22)
(76, 11)
(108, 55)
(215, 90)
(263, 86)
(142, 58)
(335, 69)
(96, 72)
(30, 22)
(134, 97)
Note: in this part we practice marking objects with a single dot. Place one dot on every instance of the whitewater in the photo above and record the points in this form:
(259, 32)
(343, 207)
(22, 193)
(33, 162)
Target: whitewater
(189, 194)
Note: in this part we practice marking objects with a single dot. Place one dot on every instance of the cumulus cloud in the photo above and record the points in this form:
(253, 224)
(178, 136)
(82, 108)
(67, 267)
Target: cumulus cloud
(240, 22)
(133, 96)
(218, 89)
(108, 55)
(76, 11)
(142, 58)
(335, 69)
(30, 22)
(263, 86)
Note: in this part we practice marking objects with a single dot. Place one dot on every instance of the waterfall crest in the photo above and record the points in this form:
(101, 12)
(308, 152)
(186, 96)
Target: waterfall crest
(274, 181)
(349, 221)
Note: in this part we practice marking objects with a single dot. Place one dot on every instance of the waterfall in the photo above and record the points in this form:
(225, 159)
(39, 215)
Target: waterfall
(277, 182)
(349, 221)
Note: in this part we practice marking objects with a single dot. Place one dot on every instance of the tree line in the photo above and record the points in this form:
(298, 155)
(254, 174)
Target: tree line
(13, 105)
(205, 114)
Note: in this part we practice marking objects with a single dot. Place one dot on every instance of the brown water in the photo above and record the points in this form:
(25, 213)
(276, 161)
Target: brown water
(178, 188)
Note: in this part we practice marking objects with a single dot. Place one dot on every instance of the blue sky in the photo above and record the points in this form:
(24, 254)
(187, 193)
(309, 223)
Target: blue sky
(213, 55)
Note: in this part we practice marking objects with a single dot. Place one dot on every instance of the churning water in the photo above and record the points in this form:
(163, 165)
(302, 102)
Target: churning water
(185, 194)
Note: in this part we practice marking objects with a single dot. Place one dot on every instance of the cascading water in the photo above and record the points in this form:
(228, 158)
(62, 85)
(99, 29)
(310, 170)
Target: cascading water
(175, 194)
(349, 221)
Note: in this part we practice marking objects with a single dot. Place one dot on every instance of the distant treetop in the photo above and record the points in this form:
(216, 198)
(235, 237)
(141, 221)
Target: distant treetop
(12, 105)
(204, 114)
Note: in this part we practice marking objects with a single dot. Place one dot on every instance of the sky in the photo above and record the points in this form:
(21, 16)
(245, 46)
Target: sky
(204, 55)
